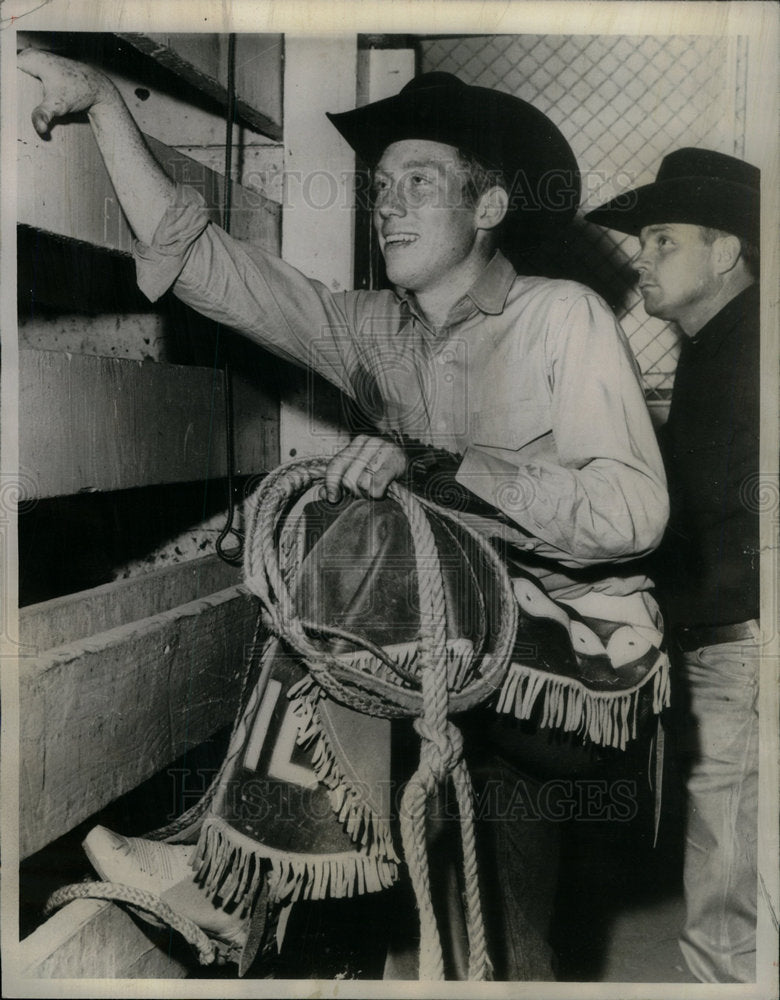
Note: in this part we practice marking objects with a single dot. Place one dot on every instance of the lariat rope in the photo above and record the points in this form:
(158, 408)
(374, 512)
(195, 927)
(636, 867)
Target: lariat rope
(430, 702)
(207, 949)
(369, 693)
(441, 752)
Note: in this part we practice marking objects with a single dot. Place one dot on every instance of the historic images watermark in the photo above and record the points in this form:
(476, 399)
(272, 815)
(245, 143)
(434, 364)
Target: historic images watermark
(557, 800)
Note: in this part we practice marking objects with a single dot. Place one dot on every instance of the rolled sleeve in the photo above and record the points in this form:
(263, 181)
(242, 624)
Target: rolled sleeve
(250, 290)
(603, 496)
(160, 263)
(602, 513)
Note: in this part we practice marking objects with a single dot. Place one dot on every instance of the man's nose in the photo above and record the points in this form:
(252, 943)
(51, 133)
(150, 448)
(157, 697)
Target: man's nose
(640, 262)
(390, 202)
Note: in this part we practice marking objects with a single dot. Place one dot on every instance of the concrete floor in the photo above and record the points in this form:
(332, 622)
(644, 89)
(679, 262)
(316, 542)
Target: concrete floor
(630, 938)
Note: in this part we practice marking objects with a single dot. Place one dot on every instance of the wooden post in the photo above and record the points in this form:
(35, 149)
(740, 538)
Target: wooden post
(318, 214)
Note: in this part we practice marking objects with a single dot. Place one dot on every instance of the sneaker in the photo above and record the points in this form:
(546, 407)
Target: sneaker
(144, 864)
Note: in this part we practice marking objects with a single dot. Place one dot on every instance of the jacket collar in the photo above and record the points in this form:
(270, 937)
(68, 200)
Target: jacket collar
(713, 333)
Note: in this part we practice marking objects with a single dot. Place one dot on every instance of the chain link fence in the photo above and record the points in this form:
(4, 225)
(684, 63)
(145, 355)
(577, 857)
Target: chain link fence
(623, 103)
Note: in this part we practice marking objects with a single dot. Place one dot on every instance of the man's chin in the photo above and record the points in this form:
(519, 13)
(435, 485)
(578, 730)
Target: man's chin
(652, 306)
(403, 264)
(400, 277)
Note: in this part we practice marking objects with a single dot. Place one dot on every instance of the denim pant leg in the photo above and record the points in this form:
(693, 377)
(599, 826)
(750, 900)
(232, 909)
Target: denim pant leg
(518, 866)
(518, 861)
(720, 873)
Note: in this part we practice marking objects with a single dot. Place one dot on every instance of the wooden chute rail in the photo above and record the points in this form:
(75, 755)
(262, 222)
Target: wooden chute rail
(118, 681)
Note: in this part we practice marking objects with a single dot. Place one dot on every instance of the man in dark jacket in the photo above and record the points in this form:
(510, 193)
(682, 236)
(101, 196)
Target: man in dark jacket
(698, 227)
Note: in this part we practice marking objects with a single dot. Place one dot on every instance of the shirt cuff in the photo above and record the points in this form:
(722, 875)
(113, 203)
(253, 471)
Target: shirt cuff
(159, 264)
(506, 487)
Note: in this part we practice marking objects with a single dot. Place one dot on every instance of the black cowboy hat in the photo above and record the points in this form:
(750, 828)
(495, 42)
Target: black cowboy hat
(500, 131)
(695, 186)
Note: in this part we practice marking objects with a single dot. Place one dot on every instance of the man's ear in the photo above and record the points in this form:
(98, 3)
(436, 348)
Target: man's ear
(727, 251)
(491, 208)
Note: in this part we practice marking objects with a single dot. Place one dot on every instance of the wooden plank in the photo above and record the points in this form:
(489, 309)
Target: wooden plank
(256, 168)
(253, 217)
(88, 939)
(201, 60)
(71, 276)
(318, 233)
(64, 186)
(382, 72)
(259, 68)
(101, 715)
(66, 619)
(91, 423)
(135, 336)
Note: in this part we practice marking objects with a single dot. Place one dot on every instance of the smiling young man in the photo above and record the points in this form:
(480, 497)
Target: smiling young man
(698, 229)
(435, 253)
(518, 395)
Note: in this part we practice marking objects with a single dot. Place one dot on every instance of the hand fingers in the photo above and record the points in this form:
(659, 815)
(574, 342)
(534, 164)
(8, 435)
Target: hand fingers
(365, 467)
(338, 465)
(357, 475)
(66, 86)
(385, 463)
(28, 61)
(35, 63)
(41, 120)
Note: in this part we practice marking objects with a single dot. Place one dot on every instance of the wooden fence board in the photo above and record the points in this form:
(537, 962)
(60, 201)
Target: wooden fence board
(201, 60)
(64, 187)
(88, 939)
(91, 423)
(74, 616)
(101, 715)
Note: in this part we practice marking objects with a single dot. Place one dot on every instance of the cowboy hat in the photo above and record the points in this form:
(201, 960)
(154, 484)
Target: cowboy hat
(695, 186)
(500, 131)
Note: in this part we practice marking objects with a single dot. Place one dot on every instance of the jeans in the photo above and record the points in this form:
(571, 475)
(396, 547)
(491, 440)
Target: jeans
(518, 866)
(720, 747)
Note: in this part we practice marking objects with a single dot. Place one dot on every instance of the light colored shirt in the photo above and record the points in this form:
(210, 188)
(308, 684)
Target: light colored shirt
(531, 381)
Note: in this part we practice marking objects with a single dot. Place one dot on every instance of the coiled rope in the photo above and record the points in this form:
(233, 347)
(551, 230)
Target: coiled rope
(431, 702)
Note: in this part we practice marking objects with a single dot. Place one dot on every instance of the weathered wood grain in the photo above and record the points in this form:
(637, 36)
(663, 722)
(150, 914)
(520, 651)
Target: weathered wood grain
(74, 616)
(88, 939)
(202, 61)
(100, 715)
(92, 423)
(64, 187)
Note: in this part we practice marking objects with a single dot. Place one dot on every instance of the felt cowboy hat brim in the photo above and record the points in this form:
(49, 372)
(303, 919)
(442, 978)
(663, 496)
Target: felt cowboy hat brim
(501, 131)
(696, 187)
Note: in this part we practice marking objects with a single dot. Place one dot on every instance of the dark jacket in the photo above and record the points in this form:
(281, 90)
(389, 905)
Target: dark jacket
(710, 554)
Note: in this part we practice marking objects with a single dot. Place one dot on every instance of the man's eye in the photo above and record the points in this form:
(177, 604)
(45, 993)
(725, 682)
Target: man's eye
(419, 179)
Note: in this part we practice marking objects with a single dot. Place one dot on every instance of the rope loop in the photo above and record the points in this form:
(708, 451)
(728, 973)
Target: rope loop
(208, 950)
(270, 532)
(270, 571)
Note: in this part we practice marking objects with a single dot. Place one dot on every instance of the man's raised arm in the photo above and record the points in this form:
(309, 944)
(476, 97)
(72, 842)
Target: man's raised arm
(144, 190)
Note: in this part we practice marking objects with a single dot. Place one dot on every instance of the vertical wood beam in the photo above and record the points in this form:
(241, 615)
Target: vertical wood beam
(318, 213)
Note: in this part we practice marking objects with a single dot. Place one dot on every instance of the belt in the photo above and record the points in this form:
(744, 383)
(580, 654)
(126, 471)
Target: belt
(695, 636)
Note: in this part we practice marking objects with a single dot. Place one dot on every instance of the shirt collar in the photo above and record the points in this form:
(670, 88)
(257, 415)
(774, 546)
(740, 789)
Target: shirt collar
(488, 293)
